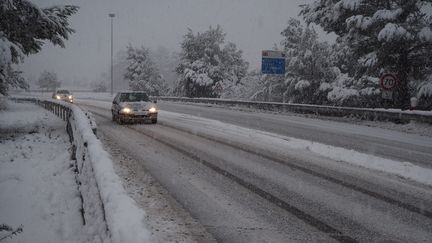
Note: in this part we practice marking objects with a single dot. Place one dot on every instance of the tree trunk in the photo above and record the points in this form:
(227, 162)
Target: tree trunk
(403, 98)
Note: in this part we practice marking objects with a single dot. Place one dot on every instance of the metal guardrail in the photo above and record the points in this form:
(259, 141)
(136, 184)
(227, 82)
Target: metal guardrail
(336, 111)
(59, 110)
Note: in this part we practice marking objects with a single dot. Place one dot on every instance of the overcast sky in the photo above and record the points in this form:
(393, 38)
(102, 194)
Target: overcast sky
(253, 25)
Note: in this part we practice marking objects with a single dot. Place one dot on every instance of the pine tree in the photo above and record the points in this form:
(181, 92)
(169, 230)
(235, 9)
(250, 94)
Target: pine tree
(48, 81)
(166, 62)
(385, 35)
(23, 29)
(142, 72)
(308, 64)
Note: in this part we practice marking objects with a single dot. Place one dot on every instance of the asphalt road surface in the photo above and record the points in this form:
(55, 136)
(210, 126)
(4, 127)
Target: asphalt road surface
(242, 190)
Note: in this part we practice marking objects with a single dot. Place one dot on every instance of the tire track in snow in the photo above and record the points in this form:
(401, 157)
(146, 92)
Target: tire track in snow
(304, 216)
(395, 202)
(378, 196)
(309, 219)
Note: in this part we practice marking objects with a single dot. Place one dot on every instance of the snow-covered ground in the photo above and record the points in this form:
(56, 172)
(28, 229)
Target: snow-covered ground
(37, 180)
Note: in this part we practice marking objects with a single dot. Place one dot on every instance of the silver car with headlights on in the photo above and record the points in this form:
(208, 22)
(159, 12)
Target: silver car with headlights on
(133, 106)
(64, 95)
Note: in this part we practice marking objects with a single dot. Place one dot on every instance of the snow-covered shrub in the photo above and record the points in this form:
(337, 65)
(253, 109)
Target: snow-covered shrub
(424, 94)
(99, 86)
(251, 87)
(342, 96)
(3, 102)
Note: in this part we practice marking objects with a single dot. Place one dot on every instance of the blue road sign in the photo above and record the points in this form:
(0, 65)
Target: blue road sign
(273, 65)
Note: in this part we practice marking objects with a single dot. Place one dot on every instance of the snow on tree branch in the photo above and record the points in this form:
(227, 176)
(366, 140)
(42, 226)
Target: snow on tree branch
(384, 35)
(207, 67)
(23, 29)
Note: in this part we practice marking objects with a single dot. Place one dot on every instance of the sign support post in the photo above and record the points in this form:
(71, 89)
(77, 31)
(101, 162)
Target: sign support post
(273, 63)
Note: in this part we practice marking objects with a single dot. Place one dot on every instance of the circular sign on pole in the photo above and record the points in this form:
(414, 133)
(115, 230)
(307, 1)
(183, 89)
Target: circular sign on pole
(388, 81)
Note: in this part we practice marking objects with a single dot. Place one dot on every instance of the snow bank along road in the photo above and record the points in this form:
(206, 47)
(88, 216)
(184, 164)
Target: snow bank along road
(37, 179)
(247, 185)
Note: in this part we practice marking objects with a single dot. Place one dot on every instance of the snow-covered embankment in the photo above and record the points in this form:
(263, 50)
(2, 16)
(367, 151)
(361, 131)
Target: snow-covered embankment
(108, 211)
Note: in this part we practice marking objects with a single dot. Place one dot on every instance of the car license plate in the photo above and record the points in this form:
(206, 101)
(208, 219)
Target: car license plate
(141, 113)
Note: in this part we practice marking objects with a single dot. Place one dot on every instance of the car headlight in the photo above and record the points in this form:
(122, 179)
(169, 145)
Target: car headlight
(70, 97)
(126, 110)
(58, 97)
(152, 109)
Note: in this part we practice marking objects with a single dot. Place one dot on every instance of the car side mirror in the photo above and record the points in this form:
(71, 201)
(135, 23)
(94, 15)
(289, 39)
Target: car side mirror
(155, 101)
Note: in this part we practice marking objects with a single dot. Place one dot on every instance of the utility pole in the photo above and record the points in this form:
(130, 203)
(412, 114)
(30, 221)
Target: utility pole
(111, 15)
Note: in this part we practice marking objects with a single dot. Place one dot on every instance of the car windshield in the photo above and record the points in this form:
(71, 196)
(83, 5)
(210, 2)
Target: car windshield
(133, 97)
(62, 92)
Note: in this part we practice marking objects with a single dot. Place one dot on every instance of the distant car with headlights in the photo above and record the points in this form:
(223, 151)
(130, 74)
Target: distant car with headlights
(63, 94)
(133, 106)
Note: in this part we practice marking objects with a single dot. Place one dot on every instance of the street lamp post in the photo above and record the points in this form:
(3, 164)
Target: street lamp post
(111, 15)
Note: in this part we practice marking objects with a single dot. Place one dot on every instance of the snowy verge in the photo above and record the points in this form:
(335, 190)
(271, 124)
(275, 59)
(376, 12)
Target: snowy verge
(266, 141)
(108, 211)
(37, 179)
(20, 119)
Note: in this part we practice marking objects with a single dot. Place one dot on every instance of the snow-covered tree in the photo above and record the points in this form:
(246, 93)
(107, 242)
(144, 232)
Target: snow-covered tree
(23, 29)
(119, 70)
(142, 72)
(384, 35)
(251, 87)
(424, 93)
(9, 77)
(99, 86)
(166, 62)
(207, 66)
(48, 81)
(349, 88)
(308, 64)
(257, 86)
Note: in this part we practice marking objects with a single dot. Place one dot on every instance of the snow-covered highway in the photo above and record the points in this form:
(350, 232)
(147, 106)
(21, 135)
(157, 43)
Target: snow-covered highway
(247, 185)
(382, 142)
